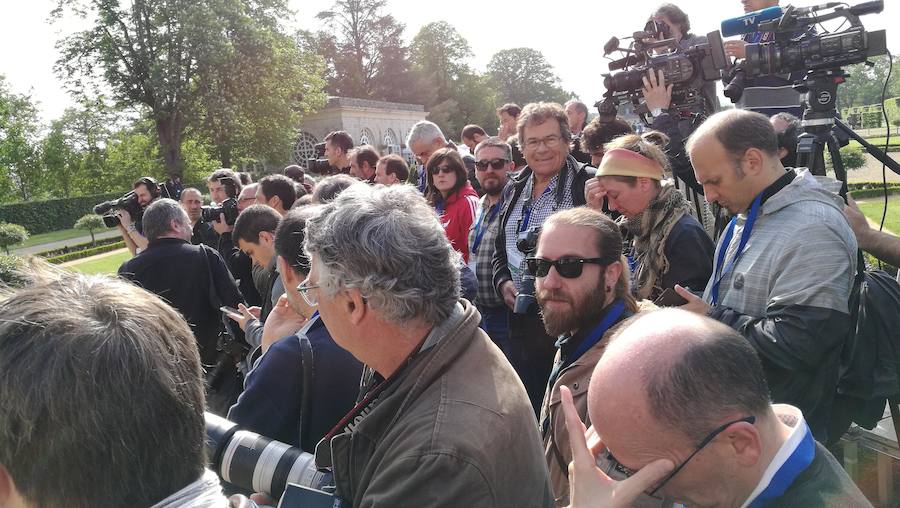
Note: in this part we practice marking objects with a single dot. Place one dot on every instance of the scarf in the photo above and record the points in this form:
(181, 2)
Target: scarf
(205, 492)
(650, 230)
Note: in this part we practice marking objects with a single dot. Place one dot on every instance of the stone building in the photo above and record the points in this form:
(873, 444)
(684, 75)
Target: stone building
(383, 125)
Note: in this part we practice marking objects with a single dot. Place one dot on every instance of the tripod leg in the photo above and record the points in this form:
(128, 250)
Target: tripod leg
(840, 173)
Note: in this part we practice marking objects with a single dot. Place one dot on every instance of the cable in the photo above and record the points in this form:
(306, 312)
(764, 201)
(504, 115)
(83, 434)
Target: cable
(887, 140)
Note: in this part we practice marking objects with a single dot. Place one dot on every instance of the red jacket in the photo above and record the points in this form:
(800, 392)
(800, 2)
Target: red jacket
(457, 217)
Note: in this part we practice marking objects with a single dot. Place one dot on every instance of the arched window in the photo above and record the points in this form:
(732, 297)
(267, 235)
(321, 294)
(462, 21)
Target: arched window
(304, 148)
(366, 137)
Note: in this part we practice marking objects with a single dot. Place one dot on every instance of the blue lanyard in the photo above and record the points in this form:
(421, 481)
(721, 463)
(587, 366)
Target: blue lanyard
(726, 241)
(799, 460)
(439, 206)
(526, 214)
(479, 230)
(612, 316)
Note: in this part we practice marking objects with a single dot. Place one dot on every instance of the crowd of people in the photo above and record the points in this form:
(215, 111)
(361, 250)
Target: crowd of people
(568, 313)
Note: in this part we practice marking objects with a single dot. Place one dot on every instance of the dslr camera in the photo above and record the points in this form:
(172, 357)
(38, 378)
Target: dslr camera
(526, 242)
(228, 207)
(128, 202)
(319, 164)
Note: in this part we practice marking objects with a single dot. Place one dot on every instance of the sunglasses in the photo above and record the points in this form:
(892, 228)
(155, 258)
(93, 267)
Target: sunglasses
(496, 164)
(569, 268)
(442, 169)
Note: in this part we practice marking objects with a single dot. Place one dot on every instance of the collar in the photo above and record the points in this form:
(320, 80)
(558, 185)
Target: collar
(165, 241)
(792, 417)
(778, 185)
(568, 342)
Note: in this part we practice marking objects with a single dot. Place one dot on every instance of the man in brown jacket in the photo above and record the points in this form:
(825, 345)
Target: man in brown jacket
(443, 419)
(582, 284)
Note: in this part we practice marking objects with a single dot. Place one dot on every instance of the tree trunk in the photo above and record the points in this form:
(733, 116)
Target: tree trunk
(169, 128)
(224, 155)
(92, 237)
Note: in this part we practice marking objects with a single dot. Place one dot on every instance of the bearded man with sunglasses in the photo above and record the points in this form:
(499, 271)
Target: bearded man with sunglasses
(681, 402)
(583, 291)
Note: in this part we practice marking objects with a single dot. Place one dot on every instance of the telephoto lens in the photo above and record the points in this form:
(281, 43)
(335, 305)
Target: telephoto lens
(259, 464)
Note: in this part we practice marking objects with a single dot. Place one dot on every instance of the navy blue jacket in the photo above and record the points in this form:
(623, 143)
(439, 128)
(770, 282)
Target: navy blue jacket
(273, 391)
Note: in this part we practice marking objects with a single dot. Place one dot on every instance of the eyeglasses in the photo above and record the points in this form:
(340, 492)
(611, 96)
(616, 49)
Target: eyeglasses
(570, 268)
(303, 288)
(441, 169)
(549, 142)
(496, 164)
(708, 439)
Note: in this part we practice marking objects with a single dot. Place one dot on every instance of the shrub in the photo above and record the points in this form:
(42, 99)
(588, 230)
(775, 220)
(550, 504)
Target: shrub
(72, 256)
(11, 234)
(853, 157)
(90, 222)
(10, 271)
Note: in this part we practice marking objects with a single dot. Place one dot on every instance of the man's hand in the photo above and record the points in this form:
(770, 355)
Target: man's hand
(656, 93)
(736, 49)
(694, 303)
(858, 223)
(221, 226)
(281, 322)
(257, 500)
(590, 486)
(124, 217)
(246, 315)
(593, 194)
(508, 292)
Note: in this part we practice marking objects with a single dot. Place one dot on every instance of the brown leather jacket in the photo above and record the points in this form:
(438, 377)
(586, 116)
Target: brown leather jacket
(455, 429)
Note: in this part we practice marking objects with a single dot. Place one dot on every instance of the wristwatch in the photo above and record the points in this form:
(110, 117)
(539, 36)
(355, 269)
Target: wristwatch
(131, 228)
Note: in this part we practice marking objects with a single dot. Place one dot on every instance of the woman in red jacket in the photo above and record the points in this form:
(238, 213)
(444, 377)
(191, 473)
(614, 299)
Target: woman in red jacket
(449, 192)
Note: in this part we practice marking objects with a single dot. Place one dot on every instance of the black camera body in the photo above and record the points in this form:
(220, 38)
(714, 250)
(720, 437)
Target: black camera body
(526, 242)
(128, 202)
(228, 207)
(810, 53)
(686, 69)
(319, 164)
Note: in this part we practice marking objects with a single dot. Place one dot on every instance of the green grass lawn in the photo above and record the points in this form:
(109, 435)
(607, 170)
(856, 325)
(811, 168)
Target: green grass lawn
(53, 236)
(108, 264)
(895, 141)
(873, 208)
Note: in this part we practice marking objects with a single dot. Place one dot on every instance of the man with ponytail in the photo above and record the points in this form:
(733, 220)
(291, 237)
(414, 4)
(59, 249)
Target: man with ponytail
(583, 289)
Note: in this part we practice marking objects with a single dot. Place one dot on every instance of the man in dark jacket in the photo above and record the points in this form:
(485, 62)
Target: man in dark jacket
(304, 382)
(552, 181)
(441, 401)
(193, 278)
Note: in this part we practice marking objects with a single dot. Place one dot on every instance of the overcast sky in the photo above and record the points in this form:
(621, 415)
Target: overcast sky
(570, 34)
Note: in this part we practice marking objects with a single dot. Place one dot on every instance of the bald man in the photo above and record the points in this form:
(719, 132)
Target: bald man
(680, 401)
(784, 266)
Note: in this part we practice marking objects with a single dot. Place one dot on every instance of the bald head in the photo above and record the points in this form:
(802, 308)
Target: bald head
(678, 370)
(738, 130)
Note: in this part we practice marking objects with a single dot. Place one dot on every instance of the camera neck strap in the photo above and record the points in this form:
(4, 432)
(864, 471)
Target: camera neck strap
(481, 226)
(726, 241)
(529, 202)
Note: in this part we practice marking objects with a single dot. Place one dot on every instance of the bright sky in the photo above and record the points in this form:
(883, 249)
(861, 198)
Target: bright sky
(570, 34)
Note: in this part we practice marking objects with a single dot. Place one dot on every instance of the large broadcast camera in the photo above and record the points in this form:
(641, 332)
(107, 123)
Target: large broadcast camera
(128, 202)
(806, 52)
(254, 463)
(686, 69)
(319, 164)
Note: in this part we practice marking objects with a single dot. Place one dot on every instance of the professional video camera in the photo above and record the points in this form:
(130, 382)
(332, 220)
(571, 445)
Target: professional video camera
(808, 52)
(128, 202)
(685, 69)
(228, 207)
(255, 463)
(319, 164)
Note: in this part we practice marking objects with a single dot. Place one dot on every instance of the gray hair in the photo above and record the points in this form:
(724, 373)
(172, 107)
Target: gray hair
(386, 242)
(495, 142)
(159, 215)
(424, 130)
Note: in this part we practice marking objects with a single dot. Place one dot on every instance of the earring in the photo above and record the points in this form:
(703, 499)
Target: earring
(608, 289)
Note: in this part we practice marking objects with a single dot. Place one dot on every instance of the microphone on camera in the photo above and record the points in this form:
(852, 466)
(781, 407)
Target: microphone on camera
(749, 23)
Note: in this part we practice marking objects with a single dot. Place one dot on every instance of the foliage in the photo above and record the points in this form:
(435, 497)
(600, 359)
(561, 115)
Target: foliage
(11, 271)
(21, 174)
(11, 234)
(68, 249)
(864, 85)
(86, 253)
(90, 222)
(523, 75)
(53, 214)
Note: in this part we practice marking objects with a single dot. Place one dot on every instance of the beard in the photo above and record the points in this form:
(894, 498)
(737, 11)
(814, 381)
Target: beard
(576, 316)
(492, 186)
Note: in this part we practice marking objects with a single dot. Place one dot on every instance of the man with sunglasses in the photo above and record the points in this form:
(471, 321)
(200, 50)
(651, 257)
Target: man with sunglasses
(680, 401)
(493, 161)
(583, 291)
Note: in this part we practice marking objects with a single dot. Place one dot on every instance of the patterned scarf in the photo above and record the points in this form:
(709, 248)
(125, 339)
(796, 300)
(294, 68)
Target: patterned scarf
(650, 230)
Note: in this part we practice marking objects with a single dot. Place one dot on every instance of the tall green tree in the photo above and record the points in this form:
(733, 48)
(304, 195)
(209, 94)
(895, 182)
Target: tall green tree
(158, 54)
(363, 47)
(523, 75)
(864, 85)
(21, 174)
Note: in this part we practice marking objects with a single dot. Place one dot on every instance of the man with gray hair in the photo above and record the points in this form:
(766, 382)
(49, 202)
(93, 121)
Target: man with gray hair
(423, 140)
(439, 399)
(193, 278)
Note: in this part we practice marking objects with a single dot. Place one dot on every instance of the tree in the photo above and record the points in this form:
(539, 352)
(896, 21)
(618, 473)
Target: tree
(157, 53)
(363, 48)
(523, 75)
(11, 234)
(90, 222)
(864, 85)
(22, 174)
(439, 52)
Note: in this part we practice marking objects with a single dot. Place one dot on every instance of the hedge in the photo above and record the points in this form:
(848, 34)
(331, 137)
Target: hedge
(70, 249)
(52, 214)
(72, 256)
(871, 193)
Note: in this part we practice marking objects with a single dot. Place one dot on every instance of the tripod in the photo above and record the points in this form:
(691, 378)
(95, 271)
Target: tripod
(822, 128)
